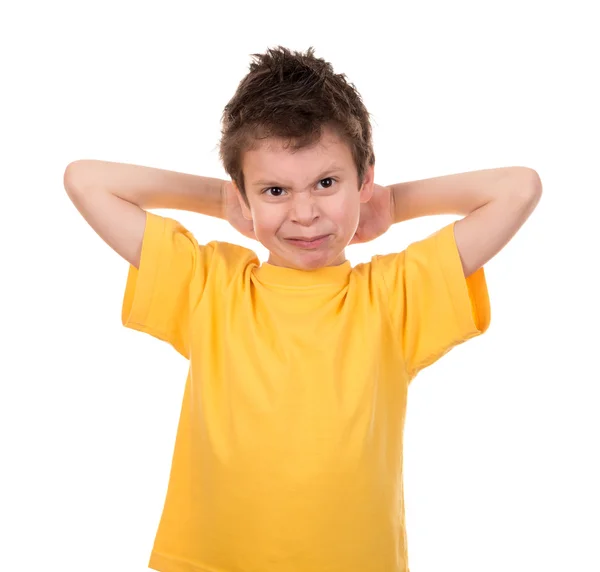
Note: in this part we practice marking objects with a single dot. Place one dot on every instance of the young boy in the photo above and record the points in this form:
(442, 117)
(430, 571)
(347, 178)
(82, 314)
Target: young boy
(288, 456)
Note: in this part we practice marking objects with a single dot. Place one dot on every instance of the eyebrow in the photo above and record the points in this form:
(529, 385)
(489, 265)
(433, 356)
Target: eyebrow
(331, 169)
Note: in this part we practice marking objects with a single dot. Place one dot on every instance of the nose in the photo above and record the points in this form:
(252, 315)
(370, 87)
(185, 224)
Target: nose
(304, 208)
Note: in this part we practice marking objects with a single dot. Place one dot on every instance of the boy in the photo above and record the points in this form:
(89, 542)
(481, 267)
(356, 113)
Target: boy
(288, 456)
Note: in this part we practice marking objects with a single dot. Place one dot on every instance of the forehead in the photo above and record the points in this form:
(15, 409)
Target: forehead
(273, 161)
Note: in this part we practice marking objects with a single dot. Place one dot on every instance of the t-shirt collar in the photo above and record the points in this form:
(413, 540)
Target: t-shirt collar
(324, 276)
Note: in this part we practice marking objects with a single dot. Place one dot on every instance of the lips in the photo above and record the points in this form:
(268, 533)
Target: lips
(302, 239)
(309, 243)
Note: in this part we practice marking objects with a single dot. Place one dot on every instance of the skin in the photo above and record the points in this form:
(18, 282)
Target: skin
(495, 203)
(299, 203)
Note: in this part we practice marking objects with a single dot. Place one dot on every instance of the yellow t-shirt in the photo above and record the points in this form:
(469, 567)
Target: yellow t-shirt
(288, 454)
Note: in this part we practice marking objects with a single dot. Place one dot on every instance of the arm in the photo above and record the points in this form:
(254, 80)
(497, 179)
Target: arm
(495, 202)
(112, 197)
(151, 188)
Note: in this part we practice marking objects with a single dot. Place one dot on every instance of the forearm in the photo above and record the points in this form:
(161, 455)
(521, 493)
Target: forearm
(460, 193)
(151, 188)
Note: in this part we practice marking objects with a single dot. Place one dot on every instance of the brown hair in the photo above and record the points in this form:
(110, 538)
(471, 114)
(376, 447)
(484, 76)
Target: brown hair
(291, 96)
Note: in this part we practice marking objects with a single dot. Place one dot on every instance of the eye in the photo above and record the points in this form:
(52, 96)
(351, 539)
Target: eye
(328, 179)
(280, 189)
(271, 188)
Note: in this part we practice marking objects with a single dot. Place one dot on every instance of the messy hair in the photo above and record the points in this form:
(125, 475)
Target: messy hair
(292, 96)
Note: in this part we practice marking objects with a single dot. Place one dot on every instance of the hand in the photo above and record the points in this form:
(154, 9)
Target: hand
(232, 212)
(376, 215)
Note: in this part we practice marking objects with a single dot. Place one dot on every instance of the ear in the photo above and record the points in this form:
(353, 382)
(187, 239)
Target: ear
(366, 190)
(245, 210)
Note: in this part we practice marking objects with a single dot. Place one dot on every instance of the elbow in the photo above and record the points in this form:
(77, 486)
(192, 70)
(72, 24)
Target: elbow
(531, 183)
(536, 181)
(73, 177)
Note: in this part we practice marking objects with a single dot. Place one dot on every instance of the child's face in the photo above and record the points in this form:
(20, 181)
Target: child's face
(301, 197)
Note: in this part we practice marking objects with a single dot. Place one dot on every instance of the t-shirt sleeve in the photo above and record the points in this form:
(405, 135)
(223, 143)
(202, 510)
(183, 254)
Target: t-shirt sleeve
(432, 306)
(160, 295)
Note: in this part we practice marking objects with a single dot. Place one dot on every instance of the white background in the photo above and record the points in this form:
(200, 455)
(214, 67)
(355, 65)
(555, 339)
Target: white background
(502, 467)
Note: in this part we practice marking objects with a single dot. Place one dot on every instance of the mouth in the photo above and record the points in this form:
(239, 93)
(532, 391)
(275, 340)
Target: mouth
(312, 243)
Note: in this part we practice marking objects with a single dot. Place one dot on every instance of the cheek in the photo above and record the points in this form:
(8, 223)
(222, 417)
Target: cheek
(265, 223)
(345, 213)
